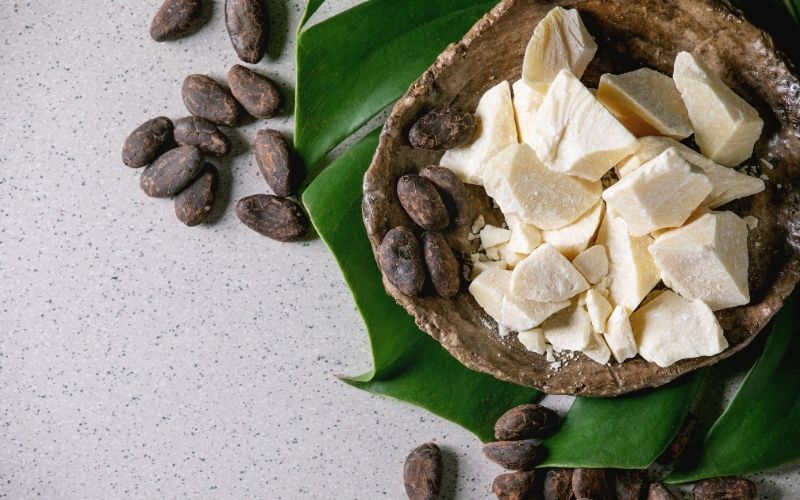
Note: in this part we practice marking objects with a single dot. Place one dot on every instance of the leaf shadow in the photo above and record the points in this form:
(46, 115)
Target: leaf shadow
(239, 146)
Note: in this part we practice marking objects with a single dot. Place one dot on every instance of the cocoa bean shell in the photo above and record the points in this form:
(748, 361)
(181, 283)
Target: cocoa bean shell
(257, 94)
(196, 131)
(452, 191)
(525, 422)
(558, 484)
(658, 491)
(277, 218)
(147, 141)
(725, 488)
(194, 203)
(514, 455)
(277, 162)
(207, 98)
(422, 203)
(400, 259)
(630, 484)
(446, 127)
(592, 483)
(517, 485)
(174, 19)
(171, 172)
(422, 472)
(247, 25)
(443, 267)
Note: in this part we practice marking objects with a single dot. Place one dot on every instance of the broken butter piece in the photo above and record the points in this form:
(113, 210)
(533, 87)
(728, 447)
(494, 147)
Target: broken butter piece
(646, 102)
(481, 266)
(670, 328)
(559, 42)
(630, 267)
(577, 135)
(597, 350)
(726, 127)
(573, 239)
(569, 329)
(489, 288)
(495, 131)
(533, 340)
(661, 193)
(492, 236)
(510, 257)
(706, 260)
(526, 104)
(599, 310)
(592, 264)
(619, 336)
(547, 276)
(524, 237)
(522, 185)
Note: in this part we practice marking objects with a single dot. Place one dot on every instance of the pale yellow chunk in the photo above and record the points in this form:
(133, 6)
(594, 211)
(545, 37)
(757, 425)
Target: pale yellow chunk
(646, 102)
(559, 42)
(619, 336)
(521, 185)
(573, 239)
(597, 350)
(533, 340)
(496, 130)
(728, 184)
(510, 257)
(706, 260)
(489, 288)
(726, 127)
(671, 328)
(631, 268)
(492, 236)
(577, 135)
(479, 267)
(569, 330)
(599, 310)
(524, 237)
(547, 276)
(661, 193)
(592, 264)
(526, 105)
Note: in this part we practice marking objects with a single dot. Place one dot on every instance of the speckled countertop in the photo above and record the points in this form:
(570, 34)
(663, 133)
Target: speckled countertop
(143, 359)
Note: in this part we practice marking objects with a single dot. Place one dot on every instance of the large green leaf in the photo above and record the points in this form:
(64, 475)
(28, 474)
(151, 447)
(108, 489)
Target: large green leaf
(628, 432)
(408, 364)
(760, 429)
(353, 65)
(311, 8)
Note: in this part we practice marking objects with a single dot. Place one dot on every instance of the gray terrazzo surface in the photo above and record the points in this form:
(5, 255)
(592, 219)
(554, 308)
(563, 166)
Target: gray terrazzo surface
(143, 359)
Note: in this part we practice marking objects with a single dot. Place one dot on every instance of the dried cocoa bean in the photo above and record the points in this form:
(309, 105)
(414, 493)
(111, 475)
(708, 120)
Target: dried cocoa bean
(422, 472)
(658, 491)
(400, 259)
(277, 218)
(724, 488)
(194, 203)
(630, 484)
(442, 128)
(452, 191)
(514, 455)
(148, 141)
(518, 485)
(525, 422)
(422, 203)
(278, 162)
(558, 484)
(171, 172)
(255, 92)
(443, 267)
(174, 19)
(207, 98)
(247, 24)
(196, 131)
(591, 483)
(678, 445)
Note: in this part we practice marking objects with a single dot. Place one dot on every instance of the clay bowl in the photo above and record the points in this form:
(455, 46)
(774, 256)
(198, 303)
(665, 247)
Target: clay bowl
(630, 35)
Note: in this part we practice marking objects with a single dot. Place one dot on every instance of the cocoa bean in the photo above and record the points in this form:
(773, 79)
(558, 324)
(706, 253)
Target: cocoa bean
(658, 491)
(207, 98)
(422, 203)
(725, 488)
(441, 128)
(278, 218)
(518, 485)
(678, 445)
(278, 162)
(171, 172)
(591, 483)
(148, 141)
(525, 422)
(174, 19)
(443, 267)
(196, 131)
(630, 484)
(400, 260)
(255, 92)
(558, 484)
(194, 203)
(452, 191)
(514, 455)
(422, 472)
(247, 24)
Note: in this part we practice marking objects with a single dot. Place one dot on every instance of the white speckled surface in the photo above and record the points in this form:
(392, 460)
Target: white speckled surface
(143, 359)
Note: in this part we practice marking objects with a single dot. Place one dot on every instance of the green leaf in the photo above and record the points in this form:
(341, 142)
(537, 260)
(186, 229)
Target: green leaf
(760, 429)
(353, 65)
(311, 8)
(627, 432)
(408, 364)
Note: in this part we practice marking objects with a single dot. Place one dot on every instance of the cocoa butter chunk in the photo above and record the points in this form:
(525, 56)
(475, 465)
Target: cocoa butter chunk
(558, 484)
(678, 445)
(174, 19)
(518, 485)
(422, 472)
(630, 484)
(443, 267)
(724, 488)
(257, 94)
(194, 203)
(514, 455)
(658, 491)
(196, 131)
(400, 259)
(442, 128)
(247, 24)
(525, 422)
(422, 203)
(207, 98)
(452, 191)
(591, 483)
(171, 172)
(147, 142)
(277, 218)
(277, 161)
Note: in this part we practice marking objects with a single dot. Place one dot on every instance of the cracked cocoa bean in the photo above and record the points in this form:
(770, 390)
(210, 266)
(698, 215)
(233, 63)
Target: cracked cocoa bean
(422, 472)
(257, 94)
(514, 455)
(591, 483)
(558, 484)
(724, 488)
(422, 203)
(452, 191)
(194, 203)
(174, 19)
(443, 267)
(171, 172)
(525, 422)
(196, 131)
(441, 128)
(148, 141)
(278, 162)
(400, 259)
(678, 445)
(277, 218)
(658, 491)
(517, 485)
(207, 98)
(630, 484)
(247, 24)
